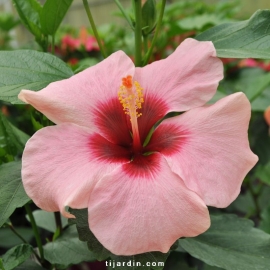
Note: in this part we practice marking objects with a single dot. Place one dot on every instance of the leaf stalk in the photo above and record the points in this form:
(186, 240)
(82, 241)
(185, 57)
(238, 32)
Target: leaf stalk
(92, 23)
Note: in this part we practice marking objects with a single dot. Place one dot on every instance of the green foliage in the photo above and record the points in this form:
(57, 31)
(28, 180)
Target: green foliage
(149, 15)
(52, 14)
(177, 261)
(42, 21)
(231, 243)
(245, 39)
(29, 12)
(259, 138)
(12, 140)
(81, 221)
(25, 69)
(29, 265)
(16, 256)
(201, 21)
(67, 249)
(7, 22)
(263, 173)
(265, 223)
(46, 220)
(12, 192)
(262, 101)
(251, 81)
(9, 147)
(9, 239)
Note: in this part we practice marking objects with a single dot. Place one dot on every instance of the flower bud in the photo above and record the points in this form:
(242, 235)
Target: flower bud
(149, 14)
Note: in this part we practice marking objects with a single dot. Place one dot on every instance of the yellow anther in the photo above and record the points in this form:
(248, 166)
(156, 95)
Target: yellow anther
(130, 96)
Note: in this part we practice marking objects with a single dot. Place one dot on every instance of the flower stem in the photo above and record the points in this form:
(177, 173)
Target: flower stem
(10, 226)
(58, 221)
(138, 32)
(53, 44)
(35, 230)
(124, 13)
(255, 197)
(15, 232)
(159, 22)
(92, 23)
(145, 43)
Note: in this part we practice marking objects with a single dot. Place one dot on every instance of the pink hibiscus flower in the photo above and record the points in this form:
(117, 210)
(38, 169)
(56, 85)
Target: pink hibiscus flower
(140, 197)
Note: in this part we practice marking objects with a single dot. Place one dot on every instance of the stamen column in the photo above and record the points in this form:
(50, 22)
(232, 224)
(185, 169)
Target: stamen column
(131, 97)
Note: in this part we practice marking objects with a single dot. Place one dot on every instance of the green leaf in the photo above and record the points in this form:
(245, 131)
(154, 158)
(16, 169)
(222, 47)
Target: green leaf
(36, 124)
(25, 69)
(16, 256)
(46, 220)
(219, 95)
(209, 267)
(20, 135)
(263, 173)
(29, 12)
(265, 223)
(52, 14)
(262, 102)
(29, 265)
(1, 264)
(12, 193)
(260, 140)
(81, 221)
(231, 243)
(254, 82)
(177, 261)
(245, 39)
(7, 21)
(11, 138)
(200, 21)
(67, 249)
(244, 203)
(149, 15)
(9, 239)
(253, 85)
(85, 63)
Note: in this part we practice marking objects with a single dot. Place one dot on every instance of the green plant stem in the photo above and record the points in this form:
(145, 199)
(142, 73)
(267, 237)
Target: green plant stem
(53, 45)
(138, 32)
(92, 23)
(255, 196)
(10, 226)
(35, 230)
(159, 22)
(58, 221)
(15, 232)
(145, 43)
(124, 13)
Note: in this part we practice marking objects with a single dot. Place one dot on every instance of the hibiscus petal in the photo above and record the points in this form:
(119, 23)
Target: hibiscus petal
(79, 98)
(143, 206)
(208, 148)
(186, 79)
(61, 164)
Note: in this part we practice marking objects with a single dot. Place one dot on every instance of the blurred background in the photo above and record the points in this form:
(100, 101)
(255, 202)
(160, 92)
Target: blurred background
(106, 12)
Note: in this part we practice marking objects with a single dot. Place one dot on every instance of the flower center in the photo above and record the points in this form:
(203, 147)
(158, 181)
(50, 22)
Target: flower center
(131, 97)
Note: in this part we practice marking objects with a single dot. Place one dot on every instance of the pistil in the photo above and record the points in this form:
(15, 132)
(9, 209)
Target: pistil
(131, 97)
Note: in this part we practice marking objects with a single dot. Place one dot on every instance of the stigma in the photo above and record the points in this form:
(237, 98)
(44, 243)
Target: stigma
(130, 95)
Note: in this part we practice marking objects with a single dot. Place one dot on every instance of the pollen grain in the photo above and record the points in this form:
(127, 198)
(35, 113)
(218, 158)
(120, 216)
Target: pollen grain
(130, 95)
